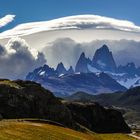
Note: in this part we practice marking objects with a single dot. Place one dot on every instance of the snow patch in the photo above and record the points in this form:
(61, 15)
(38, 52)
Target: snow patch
(42, 73)
(136, 84)
(61, 75)
(93, 69)
(78, 73)
(100, 63)
(128, 82)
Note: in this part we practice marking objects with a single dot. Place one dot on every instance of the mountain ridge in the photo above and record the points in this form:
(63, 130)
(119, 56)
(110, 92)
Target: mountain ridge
(122, 74)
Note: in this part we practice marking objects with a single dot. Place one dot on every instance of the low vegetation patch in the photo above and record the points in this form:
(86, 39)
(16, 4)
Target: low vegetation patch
(9, 83)
(26, 130)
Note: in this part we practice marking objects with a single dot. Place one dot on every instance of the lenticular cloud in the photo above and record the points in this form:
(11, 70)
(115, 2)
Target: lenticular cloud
(6, 20)
(73, 22)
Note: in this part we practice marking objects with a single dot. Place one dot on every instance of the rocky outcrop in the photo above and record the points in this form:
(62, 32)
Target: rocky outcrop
(97, 118)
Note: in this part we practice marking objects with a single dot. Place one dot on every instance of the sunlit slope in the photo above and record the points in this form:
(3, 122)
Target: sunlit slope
(15, 130)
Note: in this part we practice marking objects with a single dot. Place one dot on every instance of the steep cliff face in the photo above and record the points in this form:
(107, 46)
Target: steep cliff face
(82, 64)
(103, 59)
(97, 118)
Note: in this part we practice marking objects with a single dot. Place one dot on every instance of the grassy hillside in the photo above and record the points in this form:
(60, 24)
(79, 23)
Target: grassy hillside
(23, 130)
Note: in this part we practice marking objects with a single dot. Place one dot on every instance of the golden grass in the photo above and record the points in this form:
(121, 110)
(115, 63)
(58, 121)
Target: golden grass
(115, 137)
(10, 83)
(17, 130)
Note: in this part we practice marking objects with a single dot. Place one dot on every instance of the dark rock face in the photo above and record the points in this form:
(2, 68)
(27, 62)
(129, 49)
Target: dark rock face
(104, 60)
(61, 69)
(98, 119)
(25, 99)
(82, 64)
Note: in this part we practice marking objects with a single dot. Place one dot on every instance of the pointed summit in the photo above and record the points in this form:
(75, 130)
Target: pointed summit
(103, 59)
(105, 48)
(61, 69)
(82, 55)
(70, 70)
(81, 65)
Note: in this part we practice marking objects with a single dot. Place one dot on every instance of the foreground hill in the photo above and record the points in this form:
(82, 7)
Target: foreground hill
(26, 99)
(26, 130)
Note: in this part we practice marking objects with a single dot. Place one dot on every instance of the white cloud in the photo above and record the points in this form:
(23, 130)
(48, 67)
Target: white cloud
(73, 22)
(17, 59)
(6, 20)
(124, 51)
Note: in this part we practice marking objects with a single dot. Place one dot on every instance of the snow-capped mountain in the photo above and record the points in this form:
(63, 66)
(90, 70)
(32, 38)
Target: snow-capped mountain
(44, 72)
(129, 68)
(61, 69)
(82, 64)
(104, 60)
(103, 79)
(136, 84)
(68, 84)
(126, 76)
(70, 70)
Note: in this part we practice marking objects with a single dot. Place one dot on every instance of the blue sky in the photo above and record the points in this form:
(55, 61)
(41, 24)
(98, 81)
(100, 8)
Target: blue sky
(38, 10)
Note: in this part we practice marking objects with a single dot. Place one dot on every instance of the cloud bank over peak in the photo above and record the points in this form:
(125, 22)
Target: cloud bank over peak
(17, 59)
(73, 22)
(6, 20)
(124, 51)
